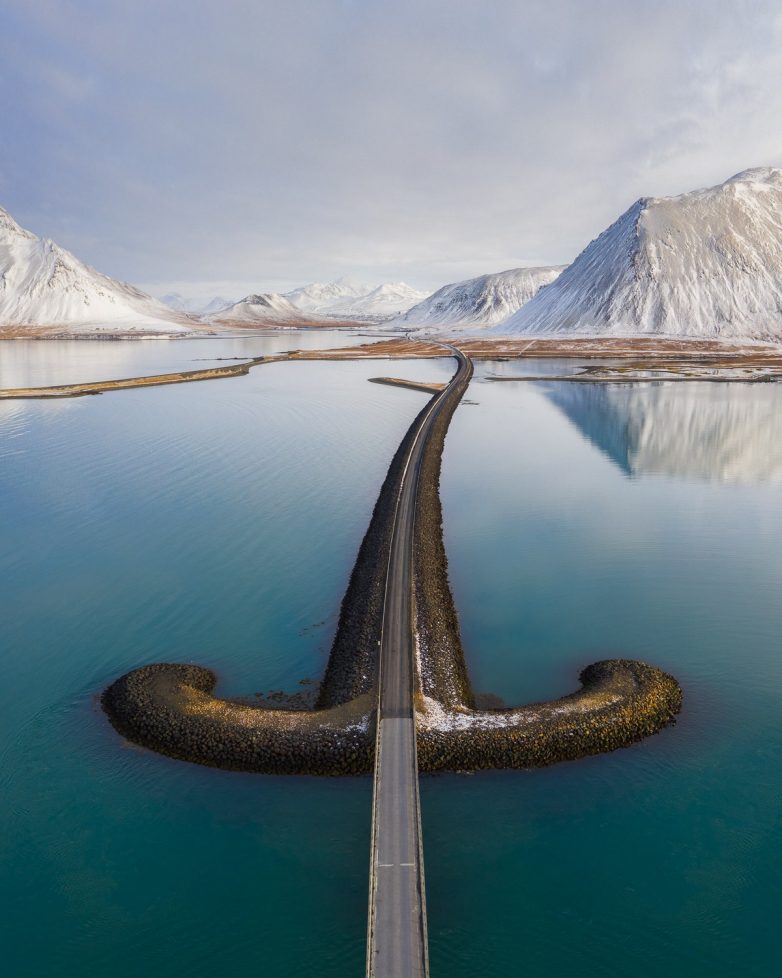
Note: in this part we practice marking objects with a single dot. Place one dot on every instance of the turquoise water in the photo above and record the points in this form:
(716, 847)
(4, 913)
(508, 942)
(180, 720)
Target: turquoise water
(218, 523)
(584, 522)
(213, 522)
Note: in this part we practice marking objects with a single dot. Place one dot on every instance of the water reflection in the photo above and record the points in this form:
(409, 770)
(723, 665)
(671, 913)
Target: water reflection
(718, 432)
(36, 363)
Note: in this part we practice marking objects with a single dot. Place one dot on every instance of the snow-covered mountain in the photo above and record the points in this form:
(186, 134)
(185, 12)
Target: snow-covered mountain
(481, 301)
(42, 284)
(705, 264)
(218, 304)
(386, 300)
(717, 432)
(319, 297)
(178, 302)
(269, 307)
(353, 300)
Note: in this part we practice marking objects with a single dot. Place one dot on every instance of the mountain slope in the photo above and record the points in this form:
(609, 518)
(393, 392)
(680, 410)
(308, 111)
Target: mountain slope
(704, 264)
(480, 301)
(42, 284)
(268, 307)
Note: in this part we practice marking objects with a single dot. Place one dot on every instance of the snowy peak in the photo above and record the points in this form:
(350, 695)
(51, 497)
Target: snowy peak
(759, 174)
(176, 301)
(705, 264)
(42, 284)
(218, 304)
(386, 300)
(9, 226)
(266, 307)
(353, 300)
(321, 296)
(180, 303)
(480, 301)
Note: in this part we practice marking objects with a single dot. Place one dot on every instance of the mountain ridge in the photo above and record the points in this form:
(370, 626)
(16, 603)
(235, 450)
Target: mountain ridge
(705, 264)
(481, 301)
(347, 298)
(42, 284)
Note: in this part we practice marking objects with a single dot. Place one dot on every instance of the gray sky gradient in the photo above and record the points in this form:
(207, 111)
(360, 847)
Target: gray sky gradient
(235, 146)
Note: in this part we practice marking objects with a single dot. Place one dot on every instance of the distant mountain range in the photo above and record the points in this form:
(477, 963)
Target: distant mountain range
(42, 284)
(706, 264)
(481, 301)
(195, 306)
(268, 307)
(343, 299)
(347, 299)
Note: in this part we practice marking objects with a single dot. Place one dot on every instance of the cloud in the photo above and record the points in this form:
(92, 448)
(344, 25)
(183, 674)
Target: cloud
(268, 143)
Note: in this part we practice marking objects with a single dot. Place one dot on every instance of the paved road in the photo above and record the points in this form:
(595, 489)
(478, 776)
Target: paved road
(397, 939)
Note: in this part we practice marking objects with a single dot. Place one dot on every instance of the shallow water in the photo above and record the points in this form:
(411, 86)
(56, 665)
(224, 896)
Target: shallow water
(218, 522)
(37, 363)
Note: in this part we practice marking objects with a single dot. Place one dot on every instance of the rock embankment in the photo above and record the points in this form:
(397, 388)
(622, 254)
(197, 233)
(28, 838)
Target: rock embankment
(443, 672)
(621, 701)
(171, 708)
(352, 665)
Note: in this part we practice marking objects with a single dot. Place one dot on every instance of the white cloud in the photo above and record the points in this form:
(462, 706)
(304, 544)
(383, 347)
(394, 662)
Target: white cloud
(270, 143)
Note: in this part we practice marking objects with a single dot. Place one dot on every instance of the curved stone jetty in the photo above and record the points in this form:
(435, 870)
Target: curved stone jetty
(172, 709)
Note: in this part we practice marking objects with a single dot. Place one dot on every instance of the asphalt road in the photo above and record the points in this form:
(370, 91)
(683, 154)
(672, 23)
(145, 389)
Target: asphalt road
(397, 938)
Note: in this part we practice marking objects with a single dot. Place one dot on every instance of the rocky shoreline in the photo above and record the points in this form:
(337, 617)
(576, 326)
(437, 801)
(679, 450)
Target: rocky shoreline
(621, 701)
(169, 707)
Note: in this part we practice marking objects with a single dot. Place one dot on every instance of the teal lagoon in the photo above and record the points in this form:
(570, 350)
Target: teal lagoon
(217, 523)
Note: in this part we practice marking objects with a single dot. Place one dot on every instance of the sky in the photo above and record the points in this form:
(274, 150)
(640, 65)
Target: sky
(228, 147)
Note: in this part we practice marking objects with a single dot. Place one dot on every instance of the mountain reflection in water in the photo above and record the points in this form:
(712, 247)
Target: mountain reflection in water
(718, 432)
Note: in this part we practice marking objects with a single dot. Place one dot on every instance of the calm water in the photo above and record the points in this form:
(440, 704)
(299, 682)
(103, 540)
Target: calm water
(585, 521)
(24, 363)
(218, 523)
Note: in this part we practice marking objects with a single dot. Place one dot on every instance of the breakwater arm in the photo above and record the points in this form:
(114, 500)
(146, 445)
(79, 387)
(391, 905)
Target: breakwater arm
(128, 383)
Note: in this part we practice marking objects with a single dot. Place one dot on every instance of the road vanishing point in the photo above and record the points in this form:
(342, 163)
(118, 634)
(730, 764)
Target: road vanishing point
(396, 932)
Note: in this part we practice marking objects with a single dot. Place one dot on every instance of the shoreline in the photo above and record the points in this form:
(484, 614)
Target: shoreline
(412, 385)
(91, 388)
(643, 355)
